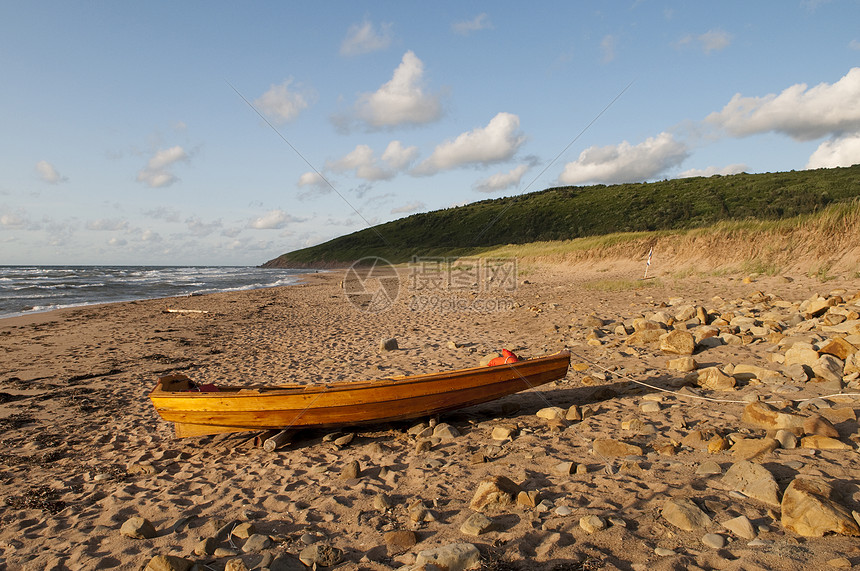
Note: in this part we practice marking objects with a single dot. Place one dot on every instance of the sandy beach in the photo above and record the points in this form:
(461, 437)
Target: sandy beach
(84, 451)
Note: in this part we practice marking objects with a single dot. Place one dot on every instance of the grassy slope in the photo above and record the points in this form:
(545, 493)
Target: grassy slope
(568, 213)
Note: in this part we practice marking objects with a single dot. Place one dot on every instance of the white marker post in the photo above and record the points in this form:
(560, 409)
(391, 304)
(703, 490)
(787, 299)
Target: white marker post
(648, 263)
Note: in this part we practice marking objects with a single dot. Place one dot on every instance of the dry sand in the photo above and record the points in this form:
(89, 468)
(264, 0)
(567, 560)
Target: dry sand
(84, 451)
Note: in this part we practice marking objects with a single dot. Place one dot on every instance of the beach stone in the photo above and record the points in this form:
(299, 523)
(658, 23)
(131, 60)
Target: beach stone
(138, 528)
(205, 547)
(168, 563)
(752, 480)
(244, 530)
(746, 372)
(682, 364)
(818, 442)
(714, 379)
(382, 502)
(714, 540)
(400, 541)
(839, 563)
(830, 369)
(236, 565)
(717, 444)
(809, 510)
(763, 415)
(592, 523)
(796, 373)
(564, 468)
(388, 344)
(818, 307)
(320, 554)
(684, 514)
(529, 499)
(816, 424)
(741, 526)
(574, 413)
(839, 347)
(551, 413)
(708, 468)
(350, 471)
(663, 552)
(256, 543)
(344, 440)
(801, 354)
(614, 448)
(477, 524)
(749, 448)
(221, 552)
(503, 431)
(494, 492)
(786, 439)
(445, 432)
(649, 407)
(453, 557)
(646, 337)
(678, 342)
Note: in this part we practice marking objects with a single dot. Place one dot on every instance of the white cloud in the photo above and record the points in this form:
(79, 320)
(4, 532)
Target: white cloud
(715, 40)
(607, 47)
(398, 157)
(711, 171)
(710, 41)
(400, 101)
(478, 23)
(496, 142)
(282, 104)
(838, 152)
(13, 221)
(854, 44)
(802, 113)
(502, 180)
(311, 178)
(272, 220)
(365, 38)
(364, 163)
(625, 162)
(199, 228)
(157, 173)
(150, 236)
(48, 173)
(107, 225)
(409, 208)
(117, 242)
(163, 213)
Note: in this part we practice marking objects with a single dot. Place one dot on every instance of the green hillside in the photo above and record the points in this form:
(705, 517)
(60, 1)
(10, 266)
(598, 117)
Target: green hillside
(574, 212)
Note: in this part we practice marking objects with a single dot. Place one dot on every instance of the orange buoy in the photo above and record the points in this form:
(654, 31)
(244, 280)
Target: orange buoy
(507, 357)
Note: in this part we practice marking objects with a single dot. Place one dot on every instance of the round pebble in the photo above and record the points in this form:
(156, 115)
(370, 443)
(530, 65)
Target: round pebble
(563, 510)
(663, 552)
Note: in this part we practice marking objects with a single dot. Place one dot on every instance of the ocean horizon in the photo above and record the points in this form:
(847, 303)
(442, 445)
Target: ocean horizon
(28, 289)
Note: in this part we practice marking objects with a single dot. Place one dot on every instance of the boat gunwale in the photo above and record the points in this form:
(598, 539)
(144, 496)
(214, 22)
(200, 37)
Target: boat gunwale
(258, 391)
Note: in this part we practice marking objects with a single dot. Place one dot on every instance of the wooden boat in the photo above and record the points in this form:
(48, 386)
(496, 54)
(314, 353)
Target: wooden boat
(201, 410)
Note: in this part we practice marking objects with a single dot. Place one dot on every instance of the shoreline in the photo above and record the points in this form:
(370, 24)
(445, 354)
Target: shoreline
(86, 451)
(25, 316)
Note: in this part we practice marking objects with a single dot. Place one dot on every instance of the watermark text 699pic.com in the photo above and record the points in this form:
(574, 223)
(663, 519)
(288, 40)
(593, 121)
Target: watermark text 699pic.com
(447, 284)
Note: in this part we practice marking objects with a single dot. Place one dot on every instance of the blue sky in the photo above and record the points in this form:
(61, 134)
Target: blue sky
(229, 133)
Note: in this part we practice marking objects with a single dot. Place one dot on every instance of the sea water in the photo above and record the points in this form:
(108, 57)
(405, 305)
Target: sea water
(31, 289)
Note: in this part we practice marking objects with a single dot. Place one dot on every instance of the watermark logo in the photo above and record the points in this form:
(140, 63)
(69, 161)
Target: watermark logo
(371, 285)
